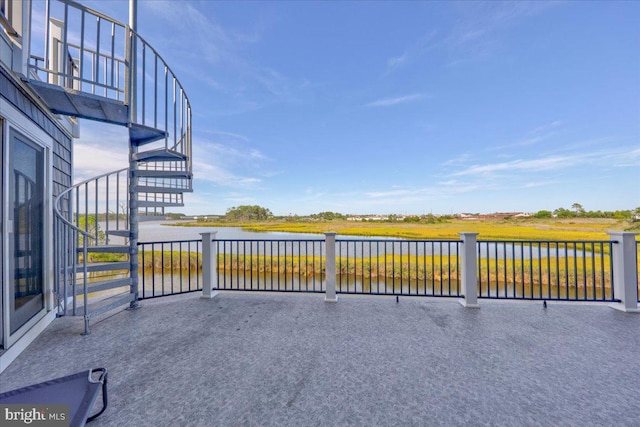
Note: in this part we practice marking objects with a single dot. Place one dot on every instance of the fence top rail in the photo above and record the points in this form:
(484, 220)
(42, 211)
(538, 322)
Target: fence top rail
(270, 240)
(166, 242)
(549, 241)
(391, 240)
(399, 240)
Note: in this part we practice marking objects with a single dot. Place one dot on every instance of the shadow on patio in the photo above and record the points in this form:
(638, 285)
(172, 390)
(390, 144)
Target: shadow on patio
(264, 359)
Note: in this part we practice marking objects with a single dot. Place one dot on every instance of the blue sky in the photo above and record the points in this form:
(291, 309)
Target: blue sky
(399, 107)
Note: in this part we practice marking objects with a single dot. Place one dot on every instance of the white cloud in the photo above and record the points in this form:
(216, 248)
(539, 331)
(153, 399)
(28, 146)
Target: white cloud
(231, 135)
(101, 149)
(249, 86)
(412, 53)
(218, 174)
(459, 160)
(443, 189)
(378, 194)
(535, 136)
(240, 200)
(623, 156)
(387, 102)
(395, 62)
(477, 34)
(546, 163)
(547, 127)
(208, 38)
(535, 184)
(234, 166)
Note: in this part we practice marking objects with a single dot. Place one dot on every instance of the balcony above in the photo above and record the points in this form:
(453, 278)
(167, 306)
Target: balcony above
(69, 102)
(94, 67)
(256, 359)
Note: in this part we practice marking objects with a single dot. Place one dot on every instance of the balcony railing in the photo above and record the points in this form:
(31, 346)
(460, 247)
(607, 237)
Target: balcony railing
(94, 54)
(270, 265)
(510, 270)
(545, 270)
(169, 268)
(399, 267)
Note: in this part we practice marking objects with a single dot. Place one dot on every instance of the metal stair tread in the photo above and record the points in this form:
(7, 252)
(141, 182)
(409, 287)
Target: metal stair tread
(154, 204)
(103, 266)
(160, 189)
(104, 285)
(115, 95)
(159, 155)
(84, 105)
(159, 173)
(107, 304)
(120, 233)
(141, 134)
(114, 249)
(152, 217)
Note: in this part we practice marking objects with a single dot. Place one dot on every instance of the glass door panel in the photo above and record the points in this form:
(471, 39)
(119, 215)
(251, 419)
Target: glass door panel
(26, 200)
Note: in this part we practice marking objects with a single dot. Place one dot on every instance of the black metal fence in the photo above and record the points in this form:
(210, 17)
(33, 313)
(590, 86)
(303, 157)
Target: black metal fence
(545, 270)
(169, 268)
(398, 267)
(270, 265)
(525, 270)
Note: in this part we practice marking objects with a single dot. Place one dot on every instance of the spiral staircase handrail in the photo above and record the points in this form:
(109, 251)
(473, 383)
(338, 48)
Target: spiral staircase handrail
(111, 55)
(184, 137)
(137, 89)
(94, 12)
(155, 52)
(58, 200)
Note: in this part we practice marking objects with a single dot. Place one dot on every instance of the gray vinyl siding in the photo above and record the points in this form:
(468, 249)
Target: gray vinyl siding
(61, 153)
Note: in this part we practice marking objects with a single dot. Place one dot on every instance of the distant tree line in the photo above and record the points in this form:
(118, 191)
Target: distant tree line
(248, 213)
(421, 219)
(327, 216)
(578, 211)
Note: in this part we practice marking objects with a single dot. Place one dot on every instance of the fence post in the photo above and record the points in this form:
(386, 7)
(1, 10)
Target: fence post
(209, 265)
(330, 267)
(469, 271)
(625, 271)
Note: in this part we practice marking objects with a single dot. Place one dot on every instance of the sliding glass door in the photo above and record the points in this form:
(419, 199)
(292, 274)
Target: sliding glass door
(3, 297)
(26, 246)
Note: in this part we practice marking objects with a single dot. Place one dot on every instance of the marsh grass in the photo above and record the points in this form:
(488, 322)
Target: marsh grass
(170, 260)
(488, 229)
(568, 276)
(571, 271)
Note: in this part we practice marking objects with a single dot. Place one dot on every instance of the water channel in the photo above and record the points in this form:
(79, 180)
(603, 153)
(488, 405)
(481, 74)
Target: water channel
(294, 262)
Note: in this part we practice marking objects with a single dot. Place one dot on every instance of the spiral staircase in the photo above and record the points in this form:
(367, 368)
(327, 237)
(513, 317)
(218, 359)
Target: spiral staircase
(93, 67)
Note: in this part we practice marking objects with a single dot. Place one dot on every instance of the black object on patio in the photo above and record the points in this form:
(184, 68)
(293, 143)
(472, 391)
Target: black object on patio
(79, 391)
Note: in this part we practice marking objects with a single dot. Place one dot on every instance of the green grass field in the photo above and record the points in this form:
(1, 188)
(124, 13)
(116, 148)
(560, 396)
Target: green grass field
(514, 229)
(542, 272)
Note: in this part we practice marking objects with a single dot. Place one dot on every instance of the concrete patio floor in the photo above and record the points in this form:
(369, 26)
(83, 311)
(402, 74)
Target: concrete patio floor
(260, 359)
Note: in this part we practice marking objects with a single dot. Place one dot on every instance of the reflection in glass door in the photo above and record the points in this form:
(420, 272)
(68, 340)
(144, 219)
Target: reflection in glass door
(2, 226)
(26, 197)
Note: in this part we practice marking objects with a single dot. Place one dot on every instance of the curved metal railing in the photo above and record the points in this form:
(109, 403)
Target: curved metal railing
(88, 53)
(162, 102)
(92, 53)
(88, 219)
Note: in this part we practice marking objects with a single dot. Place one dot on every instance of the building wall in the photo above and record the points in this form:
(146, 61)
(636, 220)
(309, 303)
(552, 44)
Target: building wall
(20, 98)
(22, 112)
